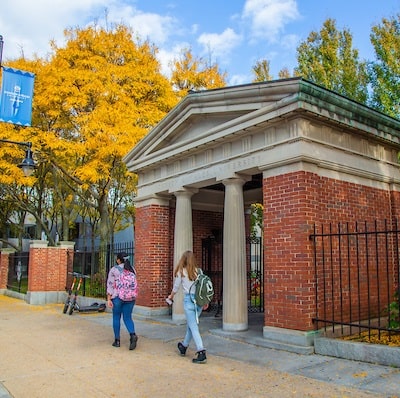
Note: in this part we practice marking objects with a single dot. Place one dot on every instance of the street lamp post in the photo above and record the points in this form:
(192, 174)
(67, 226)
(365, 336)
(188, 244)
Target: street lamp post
(27, 165)
(1, 49)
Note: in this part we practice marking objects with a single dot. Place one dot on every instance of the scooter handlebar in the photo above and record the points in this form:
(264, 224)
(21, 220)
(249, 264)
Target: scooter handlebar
(78, 275)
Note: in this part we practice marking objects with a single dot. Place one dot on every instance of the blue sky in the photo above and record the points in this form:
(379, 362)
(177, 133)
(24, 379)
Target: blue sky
(233, 33)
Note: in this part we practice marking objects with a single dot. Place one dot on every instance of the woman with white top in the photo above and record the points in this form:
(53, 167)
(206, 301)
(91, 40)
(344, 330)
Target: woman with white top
(184, 275)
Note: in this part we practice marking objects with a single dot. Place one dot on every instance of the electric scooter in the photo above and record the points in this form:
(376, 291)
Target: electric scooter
(71, 303)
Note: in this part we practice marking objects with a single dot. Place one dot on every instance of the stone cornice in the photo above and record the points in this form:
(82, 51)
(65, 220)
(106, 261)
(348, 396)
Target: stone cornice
(312, 100)
(317, 95)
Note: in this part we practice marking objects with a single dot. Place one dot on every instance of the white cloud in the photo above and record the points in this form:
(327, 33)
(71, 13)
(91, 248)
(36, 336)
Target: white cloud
(166, 57)
(194, 28)
(269, 17)
(219, 45)
(27, 26)
(155, 27)
(239, 79)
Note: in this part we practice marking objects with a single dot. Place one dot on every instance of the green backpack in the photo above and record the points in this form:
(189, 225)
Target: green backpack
(204, 289)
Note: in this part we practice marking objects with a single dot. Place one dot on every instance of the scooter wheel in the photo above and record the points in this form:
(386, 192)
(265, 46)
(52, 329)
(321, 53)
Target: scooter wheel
(70, 309)
(65, 309)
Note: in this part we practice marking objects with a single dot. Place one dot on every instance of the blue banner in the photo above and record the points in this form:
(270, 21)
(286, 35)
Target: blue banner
(16, 96)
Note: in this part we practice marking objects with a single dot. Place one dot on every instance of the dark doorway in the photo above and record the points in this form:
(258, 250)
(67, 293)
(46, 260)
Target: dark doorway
(212, 265)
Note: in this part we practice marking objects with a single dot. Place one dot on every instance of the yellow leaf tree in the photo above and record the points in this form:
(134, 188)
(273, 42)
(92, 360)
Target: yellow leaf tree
(105, 91)
(94, 99)
(193, 73)
(261, 71)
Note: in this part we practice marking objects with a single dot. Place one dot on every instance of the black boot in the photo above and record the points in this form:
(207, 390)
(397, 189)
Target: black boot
(116, 343)
(182, 349)
(133, 342)
(201, 357)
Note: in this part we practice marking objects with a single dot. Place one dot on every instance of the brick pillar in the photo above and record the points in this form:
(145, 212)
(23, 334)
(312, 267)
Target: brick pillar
(290, 208)
(153, 256)
(395, 201)
(4, 265)
(48, 269)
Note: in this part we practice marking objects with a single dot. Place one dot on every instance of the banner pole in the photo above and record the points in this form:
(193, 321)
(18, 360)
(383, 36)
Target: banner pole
(1, 49)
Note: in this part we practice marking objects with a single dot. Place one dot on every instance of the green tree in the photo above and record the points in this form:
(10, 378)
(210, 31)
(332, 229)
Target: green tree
(385, 70)
(328, 58)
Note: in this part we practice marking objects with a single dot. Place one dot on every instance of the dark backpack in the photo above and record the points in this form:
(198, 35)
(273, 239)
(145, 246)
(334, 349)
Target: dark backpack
(126, 285)
(204, 289)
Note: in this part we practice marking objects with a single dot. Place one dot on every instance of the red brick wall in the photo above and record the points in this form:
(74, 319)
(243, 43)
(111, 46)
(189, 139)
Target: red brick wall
(292, 204)
(48, 267)
(4, 260)
(154, 248)
(153, 254)
(395, 203)
(204, 222)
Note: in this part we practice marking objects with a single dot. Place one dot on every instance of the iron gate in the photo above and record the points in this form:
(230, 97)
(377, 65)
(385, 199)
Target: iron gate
(18, 272)
(96, 263)
(212, 251)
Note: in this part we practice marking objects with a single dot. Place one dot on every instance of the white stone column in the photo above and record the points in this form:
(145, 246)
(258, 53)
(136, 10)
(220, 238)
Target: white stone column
(183, 240)
(234, 304)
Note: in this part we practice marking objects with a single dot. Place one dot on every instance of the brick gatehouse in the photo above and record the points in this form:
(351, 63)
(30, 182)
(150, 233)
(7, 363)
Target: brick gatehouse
(307, 154)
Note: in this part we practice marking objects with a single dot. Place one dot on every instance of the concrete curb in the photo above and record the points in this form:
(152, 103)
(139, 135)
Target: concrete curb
(364, 352)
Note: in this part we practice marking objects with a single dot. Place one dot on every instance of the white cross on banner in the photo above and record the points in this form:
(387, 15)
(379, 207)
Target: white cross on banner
(16, 96)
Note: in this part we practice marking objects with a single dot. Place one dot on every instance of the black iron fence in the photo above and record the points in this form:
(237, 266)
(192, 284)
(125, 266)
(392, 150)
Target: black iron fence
(357, 278)
(18, 272)
(96, 263)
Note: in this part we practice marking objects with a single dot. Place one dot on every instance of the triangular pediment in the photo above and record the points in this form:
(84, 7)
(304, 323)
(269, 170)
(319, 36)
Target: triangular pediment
(200, 113)
(195, 125)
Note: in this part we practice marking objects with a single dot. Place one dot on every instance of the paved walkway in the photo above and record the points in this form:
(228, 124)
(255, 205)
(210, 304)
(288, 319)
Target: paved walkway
(45, 353)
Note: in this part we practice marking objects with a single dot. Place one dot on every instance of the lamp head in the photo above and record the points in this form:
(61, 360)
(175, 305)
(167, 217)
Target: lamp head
(28, 165)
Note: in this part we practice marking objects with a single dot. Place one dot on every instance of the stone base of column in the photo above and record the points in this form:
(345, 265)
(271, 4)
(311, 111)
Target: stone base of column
(235, 327)
(179, 319)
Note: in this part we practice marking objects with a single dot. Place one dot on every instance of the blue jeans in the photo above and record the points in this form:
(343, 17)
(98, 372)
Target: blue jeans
(125, 309)
(192, 327)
